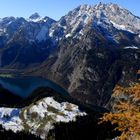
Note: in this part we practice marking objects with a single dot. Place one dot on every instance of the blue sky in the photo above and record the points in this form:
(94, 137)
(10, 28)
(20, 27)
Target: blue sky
(56, 8)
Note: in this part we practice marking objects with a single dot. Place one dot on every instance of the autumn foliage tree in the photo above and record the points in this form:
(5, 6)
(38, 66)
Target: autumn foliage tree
(126, 114)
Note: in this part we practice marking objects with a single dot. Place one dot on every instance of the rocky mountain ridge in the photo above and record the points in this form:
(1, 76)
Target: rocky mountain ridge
(97, 16)
(20, 36)
(87, 51)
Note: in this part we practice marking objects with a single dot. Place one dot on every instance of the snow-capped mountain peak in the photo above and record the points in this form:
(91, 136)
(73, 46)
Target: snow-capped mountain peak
(35, 18)
(109, 17)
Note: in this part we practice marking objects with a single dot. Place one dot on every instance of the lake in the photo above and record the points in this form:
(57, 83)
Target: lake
(24, 86)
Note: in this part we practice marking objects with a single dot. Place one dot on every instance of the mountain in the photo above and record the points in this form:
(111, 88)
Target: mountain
(35, 17)
(95, 52)
(87, 51)
(77, 22)
(40, 35)
(19, 37)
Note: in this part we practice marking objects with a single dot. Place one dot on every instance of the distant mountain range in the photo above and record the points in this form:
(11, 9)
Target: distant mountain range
(87, 52)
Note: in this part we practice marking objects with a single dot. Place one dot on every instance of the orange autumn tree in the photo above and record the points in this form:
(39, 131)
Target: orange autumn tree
(126, 112)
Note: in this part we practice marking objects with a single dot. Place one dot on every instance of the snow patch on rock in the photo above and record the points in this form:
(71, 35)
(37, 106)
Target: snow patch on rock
(121, 27)
(9, 119)
(41, 115)
(131, 47)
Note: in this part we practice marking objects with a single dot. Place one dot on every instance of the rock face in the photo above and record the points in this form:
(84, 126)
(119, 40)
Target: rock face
(90, 68)
(96, 51)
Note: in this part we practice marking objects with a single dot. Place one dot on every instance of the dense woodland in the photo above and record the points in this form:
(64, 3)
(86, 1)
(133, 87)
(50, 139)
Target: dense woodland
(10, 135)
(85, 128)
(7, 98)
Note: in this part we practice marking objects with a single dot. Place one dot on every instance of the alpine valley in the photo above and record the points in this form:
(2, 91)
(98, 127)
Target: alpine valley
(57, 77)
